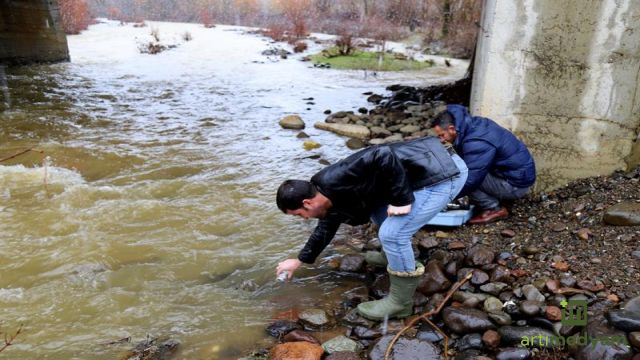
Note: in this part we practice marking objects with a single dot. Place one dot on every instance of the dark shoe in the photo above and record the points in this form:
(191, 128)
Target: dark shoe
(488, 216)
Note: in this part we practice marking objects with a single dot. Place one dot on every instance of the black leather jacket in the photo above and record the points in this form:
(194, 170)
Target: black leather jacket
(373, 177)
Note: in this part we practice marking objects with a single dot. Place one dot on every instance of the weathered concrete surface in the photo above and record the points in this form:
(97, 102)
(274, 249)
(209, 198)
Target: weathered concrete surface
(31, 31)
(564, 77)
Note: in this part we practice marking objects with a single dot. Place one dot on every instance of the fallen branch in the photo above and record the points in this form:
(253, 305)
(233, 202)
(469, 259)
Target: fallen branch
(8, 341)
(18, 154)
(426, 317)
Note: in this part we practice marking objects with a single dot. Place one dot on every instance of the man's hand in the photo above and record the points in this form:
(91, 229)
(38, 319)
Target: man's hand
(398, 210)
(289, 265)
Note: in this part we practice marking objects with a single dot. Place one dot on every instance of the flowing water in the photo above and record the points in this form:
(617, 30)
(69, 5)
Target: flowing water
(148, 198)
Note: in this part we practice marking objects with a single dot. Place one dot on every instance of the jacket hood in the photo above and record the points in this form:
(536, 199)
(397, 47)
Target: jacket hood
(462, 118)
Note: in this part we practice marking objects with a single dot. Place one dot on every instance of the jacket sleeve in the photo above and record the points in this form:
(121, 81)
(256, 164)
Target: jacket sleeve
(386, 164)
(319, 239)
(478, 155)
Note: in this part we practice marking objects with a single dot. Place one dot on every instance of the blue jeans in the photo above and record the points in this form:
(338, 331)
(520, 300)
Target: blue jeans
(396, 231)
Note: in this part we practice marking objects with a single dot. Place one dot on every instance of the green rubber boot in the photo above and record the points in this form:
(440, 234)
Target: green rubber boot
(399, 302)
(376, 258)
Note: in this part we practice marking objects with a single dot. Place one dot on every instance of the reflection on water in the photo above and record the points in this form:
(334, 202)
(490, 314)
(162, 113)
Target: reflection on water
(158, 199)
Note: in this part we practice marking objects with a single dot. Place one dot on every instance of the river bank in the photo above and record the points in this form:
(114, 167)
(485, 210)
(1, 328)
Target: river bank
(553, 248)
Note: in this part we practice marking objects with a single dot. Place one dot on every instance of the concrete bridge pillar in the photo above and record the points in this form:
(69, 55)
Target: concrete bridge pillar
(564, 76)
(31, 31)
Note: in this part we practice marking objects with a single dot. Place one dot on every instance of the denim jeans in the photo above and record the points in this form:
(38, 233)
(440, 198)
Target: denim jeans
(492, 190)
(396, 232)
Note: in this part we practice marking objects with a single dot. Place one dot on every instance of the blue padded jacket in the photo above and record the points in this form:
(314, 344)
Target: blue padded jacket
(486, 147)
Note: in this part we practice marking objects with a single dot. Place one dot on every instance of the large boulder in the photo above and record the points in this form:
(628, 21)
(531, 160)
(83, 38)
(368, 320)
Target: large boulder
(625, 213)
(292, 122)
(350, 130)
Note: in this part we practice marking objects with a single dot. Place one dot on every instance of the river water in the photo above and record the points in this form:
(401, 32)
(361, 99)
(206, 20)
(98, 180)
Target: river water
(149, 197)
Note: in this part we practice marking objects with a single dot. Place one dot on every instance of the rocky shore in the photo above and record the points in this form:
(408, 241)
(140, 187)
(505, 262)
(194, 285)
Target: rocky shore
(530, 273)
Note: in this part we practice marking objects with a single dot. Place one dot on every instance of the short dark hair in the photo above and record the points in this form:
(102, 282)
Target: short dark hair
(444, 119)
(291, 193)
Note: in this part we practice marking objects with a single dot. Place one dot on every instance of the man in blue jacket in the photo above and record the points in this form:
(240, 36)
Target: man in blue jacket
(500, 165)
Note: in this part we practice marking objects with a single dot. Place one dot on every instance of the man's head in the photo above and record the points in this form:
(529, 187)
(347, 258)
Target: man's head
(445, 127)
(301, 198)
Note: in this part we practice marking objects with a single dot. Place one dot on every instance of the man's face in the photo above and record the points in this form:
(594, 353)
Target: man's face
(311, 208)
(446, 135)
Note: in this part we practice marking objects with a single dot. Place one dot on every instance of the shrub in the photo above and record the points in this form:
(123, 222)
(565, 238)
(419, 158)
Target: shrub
(187, 36)
(75, 16)
(300, 47)
(344, 43)
(276, 31)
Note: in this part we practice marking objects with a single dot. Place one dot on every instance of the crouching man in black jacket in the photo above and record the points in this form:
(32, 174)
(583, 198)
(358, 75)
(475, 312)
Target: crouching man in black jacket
(400, 187)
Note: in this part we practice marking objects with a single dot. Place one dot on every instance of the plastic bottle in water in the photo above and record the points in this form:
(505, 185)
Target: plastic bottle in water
(283, 276)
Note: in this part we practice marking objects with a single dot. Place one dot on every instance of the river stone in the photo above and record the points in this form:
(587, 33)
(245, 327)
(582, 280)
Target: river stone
(150, 349)
(362, 332)
(393, 138)
(624, 214)
(282, 327)
(492, 305)
(433, 280)
(491, 338)
(568, 281)
(501, 274)
(530, 308)
(624, 320)
(426, 332)
(293, 122)
(493, 288)
(532, 293)
(302, 135)
(376, 142)
(480, 255)
(354, 131)
(377, 131)
(634, 339)
(409, 129)
(597, 327)
(300, 350)
(341, 343)
(466, 320)
(513, 335)
(470, 341)
(343, 355)
(633, 305)
(300, 335)
(314, 319)
(355, 144)
(513, 354)
(310, 145)
(352, 263)
(469, 299)
(479, 277)
(354, 319)
(501, 318)
(405, 349)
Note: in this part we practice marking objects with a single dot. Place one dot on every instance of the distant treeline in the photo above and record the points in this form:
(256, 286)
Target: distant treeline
(444, 25)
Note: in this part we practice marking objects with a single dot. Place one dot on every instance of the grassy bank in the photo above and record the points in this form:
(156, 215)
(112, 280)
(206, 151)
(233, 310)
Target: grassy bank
(361, 60)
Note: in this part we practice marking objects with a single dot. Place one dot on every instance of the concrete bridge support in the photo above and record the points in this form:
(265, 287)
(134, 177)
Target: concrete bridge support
(564, 76)
(31, 31)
